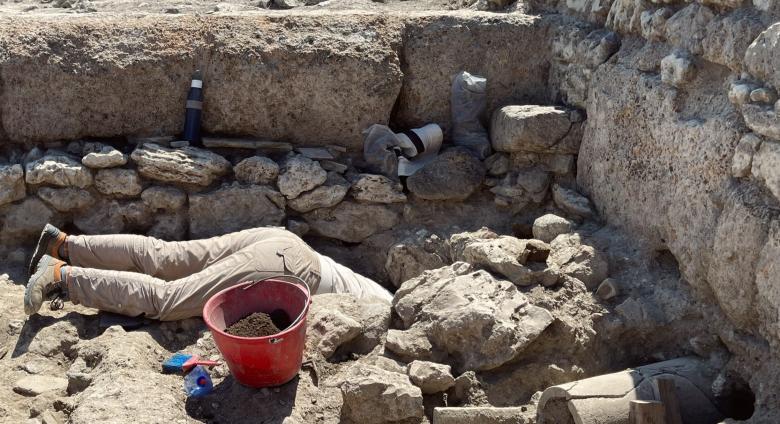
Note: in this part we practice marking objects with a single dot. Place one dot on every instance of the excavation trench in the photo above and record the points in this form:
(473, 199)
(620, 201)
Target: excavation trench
(614, 225)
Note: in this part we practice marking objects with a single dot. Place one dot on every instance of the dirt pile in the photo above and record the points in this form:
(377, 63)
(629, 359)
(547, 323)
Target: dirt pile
(258, 324)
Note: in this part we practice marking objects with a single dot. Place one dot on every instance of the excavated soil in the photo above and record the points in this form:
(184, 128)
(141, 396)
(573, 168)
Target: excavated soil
(258, 324)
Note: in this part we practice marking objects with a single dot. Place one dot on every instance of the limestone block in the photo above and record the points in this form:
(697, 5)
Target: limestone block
(762, 120)
(570, 256)
(61, 171)
(234, 207)
(653, 23)
(99, 219)
(677, 70)
(453, 175)
(743, 155)
(25, 220)
(350, 221)
(164, 198)
(35, 385)
(169, 227)
(430, 377)
(481, 415)
(766, 166)
(118, 182)
(329, 329)
(413, 255)
(729, 36)
(549, 226)
(762, 58)
(376, 189)
(372, 314)
(188, 165)
(12, 186)
(687, 28)
(257, 170)
(66, 199)
(325, 196)
(374, 395)
(300, 174)
(541, 129)
(105, 157)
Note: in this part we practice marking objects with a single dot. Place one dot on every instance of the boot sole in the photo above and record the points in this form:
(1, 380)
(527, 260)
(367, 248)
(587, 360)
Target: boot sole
(40, 250)
(42, 266)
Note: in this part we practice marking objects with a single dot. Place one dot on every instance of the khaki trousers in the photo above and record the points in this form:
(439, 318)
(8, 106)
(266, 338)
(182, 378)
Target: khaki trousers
(173, 280)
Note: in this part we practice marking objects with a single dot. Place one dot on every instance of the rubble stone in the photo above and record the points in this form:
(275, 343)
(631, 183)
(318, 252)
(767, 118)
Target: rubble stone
(350, 221)
(412, 344)
(169, 227)
(164, 198)
(38, 384)
(188, 165)
(471, 318)
(739, 92)
(676, 70)
(300, 174)
(572, 202)
(105, 157)
(100, 219)
(299, 228)
(497, 164)
(249, 206)
(570, 256)
(374, 395)
(504, 255)
(372, 314)
(763, 95)
(762, 120)
(762, 59)
(454, 175)
(765, 166)
(26, 219)
(743, 155)
(56, 170)
(12, 186)
(66, 199)
(327, 195)
(257, 170)
(607, 289)
(430, 377)
(376, 189)
(549, 226)
(531, 128)
(331, 329)
(414, 254)
(118, 182)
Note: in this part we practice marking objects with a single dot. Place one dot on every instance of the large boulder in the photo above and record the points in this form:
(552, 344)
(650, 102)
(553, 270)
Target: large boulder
(234, 207)
(300, 174)
(57, 170)
(471, 319)
(453, 175)
(352, 222)
(530, 128)
(188, 165)
(12, 186)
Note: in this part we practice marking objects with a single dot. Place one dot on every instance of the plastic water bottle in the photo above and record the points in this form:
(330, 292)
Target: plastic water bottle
(197, 382)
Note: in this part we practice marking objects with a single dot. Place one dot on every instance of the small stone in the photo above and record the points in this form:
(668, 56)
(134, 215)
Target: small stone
(164, 140)
(409, 344)
(676, 70)
(288, 4)
(66, 199)
(572, 202)
(549, 226)
(257, 170)
(538, 251)
(763, 95)
(164, 198)
(497, 164)
(12, 186)
(300, 174)
(59, 171)
(106, 157)
(376, 189)
(739, 93)
(430, 377)
(118, 182)
(179, 144)
(316, 153)
(453, 175)
(743, 155)
(762, 120)
(607, 289)
(37, 384)
(299, 228)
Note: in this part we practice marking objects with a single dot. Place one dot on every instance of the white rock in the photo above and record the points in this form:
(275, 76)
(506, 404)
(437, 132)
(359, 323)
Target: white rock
(324, 196)
(38, 384)
(763, 95)
(59, 171)
(331, 329)
(414, 254)
(165, 198)
(188, 165)
(300, 174)
(248, 206)
(572, 202)
(351, 221)
(743, 155)
(766, 166)
(571, 257)
(26, 219)
(762, 120)
(118, 182)
(677, 70)
(549, 226)
(430, 377)
(739, 93)
(376, 189)
(504, 255)
(107, 157)
(12, 186)
(66, 199)
(257, 170)
(530, 128)
(374, 395)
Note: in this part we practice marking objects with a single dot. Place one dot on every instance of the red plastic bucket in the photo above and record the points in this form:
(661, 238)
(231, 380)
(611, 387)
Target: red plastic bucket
(260, 361)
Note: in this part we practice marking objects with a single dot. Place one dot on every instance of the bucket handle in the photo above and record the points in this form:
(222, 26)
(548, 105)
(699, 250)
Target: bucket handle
(293, 280)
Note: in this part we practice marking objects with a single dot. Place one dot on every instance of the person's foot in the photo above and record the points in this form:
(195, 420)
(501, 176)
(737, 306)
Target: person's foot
(48, 244)
(46, 280)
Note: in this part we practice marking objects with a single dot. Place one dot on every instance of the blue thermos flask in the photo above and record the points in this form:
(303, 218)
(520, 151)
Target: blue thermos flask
(194, 107)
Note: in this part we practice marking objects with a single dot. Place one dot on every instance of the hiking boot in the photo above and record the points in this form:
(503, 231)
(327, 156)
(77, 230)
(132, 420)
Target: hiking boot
(45, 282)
(48, 244)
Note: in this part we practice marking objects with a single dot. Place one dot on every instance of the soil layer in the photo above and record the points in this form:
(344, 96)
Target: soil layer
(258, 324)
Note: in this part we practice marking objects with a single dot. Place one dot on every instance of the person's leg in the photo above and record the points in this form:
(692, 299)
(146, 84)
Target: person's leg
(132, 293)
(344, 280)
(161, 259)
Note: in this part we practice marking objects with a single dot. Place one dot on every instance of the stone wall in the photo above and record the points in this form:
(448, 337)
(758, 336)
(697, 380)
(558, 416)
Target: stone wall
(681, 148)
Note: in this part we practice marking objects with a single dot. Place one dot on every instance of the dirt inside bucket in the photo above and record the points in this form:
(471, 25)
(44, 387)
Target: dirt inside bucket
(260, 324)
